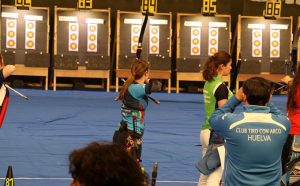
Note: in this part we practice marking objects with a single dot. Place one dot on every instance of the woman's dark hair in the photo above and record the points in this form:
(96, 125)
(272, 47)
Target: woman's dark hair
(105, 165)
(212, 64)
(257, 90)
(291, 100)
(138, 69)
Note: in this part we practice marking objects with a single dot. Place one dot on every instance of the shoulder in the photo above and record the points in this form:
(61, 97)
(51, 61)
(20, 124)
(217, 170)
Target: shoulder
(137, 90)
(136, 86)
(228, 120)
(221, 90)
(233, 117)
(8, 70)
(221, 86)
(281, 119)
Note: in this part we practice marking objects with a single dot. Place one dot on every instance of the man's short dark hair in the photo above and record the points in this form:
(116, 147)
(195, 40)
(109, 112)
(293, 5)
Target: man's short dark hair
(257, 90)
(105, 165)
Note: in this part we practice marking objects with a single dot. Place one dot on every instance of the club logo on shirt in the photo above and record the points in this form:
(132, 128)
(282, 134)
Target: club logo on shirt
(258, 135)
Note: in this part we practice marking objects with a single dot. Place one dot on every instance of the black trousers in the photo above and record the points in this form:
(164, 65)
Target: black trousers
(129, 140)
(285, 156)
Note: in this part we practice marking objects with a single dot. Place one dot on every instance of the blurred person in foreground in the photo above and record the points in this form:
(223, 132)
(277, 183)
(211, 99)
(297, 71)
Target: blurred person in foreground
(104, 165)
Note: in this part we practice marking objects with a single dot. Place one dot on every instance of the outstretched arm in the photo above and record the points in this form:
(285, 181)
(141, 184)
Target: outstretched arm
(288, 80)
(217, 119)
(8, 70)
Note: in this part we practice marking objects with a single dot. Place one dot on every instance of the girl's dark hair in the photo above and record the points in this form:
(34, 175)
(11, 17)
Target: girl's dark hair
(138, 69)
(291, 100)
(212, 64)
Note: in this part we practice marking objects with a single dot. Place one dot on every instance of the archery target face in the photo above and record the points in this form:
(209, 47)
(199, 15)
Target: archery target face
(213, 42)
(257, 43)
(73, 36)
(154, 40)
(275, 43)
(30, 31)
(92, 37)
(135, 34)
(11, 33)
(195, 41)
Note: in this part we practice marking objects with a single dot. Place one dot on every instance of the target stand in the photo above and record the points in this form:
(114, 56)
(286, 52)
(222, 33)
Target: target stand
(25, 41)
(156, 44)
(199, 37)
(82, 44)
(264, 46)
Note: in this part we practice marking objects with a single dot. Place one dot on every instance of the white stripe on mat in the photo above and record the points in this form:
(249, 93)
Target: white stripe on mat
(161, 181)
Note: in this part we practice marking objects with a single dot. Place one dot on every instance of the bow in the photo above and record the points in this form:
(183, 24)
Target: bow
(139, 48)
(295, 51)
(235, 73)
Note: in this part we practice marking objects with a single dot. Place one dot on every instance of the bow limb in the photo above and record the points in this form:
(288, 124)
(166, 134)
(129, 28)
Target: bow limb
(139, 49)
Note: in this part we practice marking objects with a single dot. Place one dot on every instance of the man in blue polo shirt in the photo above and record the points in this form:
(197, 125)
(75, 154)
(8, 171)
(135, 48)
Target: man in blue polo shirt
(254, 138)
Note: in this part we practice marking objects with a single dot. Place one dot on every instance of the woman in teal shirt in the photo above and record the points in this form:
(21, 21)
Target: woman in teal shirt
(135, 101)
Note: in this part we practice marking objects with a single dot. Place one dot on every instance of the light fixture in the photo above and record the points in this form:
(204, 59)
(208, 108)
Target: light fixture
(279, 26)
(68, 18)
(133, 21)
(217, 24)
(256, 26)
(193, 23)
(94, 20)
(33, 18)
(10, 15)
(158, 22)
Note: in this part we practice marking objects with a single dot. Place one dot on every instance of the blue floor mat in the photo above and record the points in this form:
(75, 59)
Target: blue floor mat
(38, 134)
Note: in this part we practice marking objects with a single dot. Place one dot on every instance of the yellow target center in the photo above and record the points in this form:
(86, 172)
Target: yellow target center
(213, 51)
(213, 42)
(213, 33)
(11, 24)
(153, 48)
(11, 34)
(195, 32)
(73, 45)
(154, 39)
(92, 28)
(195, 50)
(154, 31)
